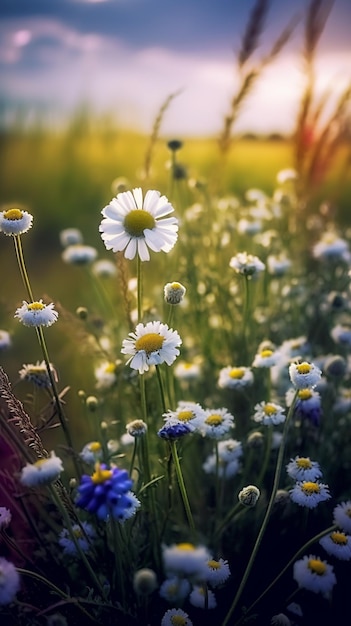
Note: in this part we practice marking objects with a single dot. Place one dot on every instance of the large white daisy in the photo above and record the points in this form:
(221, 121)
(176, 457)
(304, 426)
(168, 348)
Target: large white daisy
(134, 224)
(151, 344)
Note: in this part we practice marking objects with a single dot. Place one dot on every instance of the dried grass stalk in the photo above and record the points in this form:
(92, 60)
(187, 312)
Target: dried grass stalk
(253, 31)
(155, 132)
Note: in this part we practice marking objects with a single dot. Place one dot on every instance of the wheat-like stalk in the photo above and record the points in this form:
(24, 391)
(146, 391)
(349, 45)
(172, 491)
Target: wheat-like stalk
(155, 132)
(253, 31)
(19, 419)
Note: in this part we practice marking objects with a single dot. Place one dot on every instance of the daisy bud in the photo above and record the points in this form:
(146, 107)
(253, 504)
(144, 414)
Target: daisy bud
(92, 403)
(144, 581)
(174, 293)
(136, 428)
(82, 312)
(249, 495)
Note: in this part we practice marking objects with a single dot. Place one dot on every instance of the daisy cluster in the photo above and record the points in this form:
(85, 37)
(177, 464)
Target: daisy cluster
(192, 401)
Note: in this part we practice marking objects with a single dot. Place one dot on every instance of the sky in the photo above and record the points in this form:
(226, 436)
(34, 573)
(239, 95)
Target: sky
(125, 57)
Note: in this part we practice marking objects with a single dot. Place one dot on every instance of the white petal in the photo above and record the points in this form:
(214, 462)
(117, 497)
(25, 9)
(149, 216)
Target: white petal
(164, 208)
(138, 197)
(151, 201)
(142, 250)
(153, 240)
(131, 249)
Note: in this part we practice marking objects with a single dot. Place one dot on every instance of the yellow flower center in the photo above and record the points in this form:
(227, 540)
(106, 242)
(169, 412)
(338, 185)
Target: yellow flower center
(187, 547)
(214, 420)
(151, 342)
(40, 462)
(309, 488)
(304, 368)
(266, 353)
(269, 409)
(317, 567)
(13, 214)
(137, 220)
(339, 538)
(214, 564)
(304, 463)
(304, 394)
(100, 475)
(185, 416)
(110, 368)
(178, 620)
(95, 446)
(36, 306)
(176, 285)
(77, 533)
(237, 373)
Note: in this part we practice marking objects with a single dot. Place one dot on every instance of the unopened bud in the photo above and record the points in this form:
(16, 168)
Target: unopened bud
(249, 495)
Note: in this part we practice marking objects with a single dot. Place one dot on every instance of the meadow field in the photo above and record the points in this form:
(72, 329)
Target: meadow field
(175, 380)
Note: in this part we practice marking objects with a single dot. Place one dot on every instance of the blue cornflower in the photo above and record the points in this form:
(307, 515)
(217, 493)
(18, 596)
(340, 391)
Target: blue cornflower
(106, 492)
(173, 430)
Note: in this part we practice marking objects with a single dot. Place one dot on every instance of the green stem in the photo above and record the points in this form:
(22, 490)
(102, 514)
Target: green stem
(58, 405)
(139, 289)
(182, 488)
(48, 583)
(68, 524)
(285, 568)
(162, 390)
(22, 266)
(267, 514)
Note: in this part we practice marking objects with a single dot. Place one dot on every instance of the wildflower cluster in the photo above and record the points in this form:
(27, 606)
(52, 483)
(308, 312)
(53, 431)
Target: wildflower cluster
(200, 407)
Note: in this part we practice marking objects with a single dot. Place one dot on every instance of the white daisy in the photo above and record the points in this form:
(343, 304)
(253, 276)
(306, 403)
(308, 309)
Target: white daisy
(189, 413)
(218, 572)
(70, 236)
(42, 472)
(278, 265)
(342, 516)
(200, 596)
(302, 468)
(269, 413)
(91, 452)
(5, 517)
(36, 314)
(330, 246)
(79, 254)
(314, 574)
(5, 340)
(226, 470)
(105, 375)
(185, 370)
(176, 617)
(175, 589)
(235, 377)
(266, 358)
(304, 375)
(104, 268)
(246, 264)
(15, 221)
(185, 559)
(38, 373)
(309, 493)
(134, 225)
(151, 344)
(9, 581)
(337, 544)
(82, 533)
(216, 423)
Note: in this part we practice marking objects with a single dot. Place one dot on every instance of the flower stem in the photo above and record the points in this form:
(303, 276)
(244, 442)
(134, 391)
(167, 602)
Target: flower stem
(58, 406)
(22, 266)
(285, 568)
(140, 289)
(56, 498)
(182, 487)
(48, 583)
(267, 514)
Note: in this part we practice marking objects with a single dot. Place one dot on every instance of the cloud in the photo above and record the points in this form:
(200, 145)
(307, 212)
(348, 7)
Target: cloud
(45, 61)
